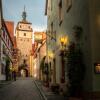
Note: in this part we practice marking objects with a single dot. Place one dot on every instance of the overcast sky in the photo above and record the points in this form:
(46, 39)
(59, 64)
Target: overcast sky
(12, 10)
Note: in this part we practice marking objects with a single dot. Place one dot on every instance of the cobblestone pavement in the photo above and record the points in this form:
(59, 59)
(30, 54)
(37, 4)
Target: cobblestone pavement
(47, 93)
(4, 83)
(22, 89)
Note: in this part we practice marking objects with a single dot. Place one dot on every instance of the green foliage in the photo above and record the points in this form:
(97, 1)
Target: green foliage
(77, 32)
(76, 68)
(22, 66)
(42, 63)
(7, 60)
(7, 68)
(44, 66)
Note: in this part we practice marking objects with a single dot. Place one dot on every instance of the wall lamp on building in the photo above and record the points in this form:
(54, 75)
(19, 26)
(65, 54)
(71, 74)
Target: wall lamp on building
(50, 54)
(64, 43)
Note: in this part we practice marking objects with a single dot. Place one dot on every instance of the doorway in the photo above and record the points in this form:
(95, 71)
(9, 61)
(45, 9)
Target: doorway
(24, 73)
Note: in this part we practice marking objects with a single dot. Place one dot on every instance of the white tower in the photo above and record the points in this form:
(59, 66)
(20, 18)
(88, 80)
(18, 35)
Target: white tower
(24, 43)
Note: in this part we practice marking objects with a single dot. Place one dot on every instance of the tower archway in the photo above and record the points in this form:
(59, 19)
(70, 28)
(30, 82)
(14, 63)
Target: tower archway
(23, 72)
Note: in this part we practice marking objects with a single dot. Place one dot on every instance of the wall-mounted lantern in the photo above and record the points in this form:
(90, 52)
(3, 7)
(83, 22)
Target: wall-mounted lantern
(50, 54)
(64, 42)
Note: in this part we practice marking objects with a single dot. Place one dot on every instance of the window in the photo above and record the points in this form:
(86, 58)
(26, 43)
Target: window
(4, 49)
(6, 38)
(60, 12)
(29, 27)
(20, 26)
(8, 42)
(24, 34)
(68, 5)
(55, 35)
(51, 30)
(2, 68)
(4, 33)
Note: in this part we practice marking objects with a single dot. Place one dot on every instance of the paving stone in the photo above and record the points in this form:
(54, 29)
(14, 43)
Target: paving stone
(22, 89)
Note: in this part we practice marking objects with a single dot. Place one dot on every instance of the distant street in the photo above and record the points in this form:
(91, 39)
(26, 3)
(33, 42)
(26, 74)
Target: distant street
(22, 89)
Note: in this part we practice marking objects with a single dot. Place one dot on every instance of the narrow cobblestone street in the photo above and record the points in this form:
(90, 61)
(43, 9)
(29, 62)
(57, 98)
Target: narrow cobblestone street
(22, 89)
(49, 49)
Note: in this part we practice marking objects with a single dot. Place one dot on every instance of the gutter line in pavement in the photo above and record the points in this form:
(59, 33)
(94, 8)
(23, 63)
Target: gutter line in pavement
(41, 92)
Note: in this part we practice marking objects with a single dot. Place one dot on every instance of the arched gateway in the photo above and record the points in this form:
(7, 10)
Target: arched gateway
(23, 72)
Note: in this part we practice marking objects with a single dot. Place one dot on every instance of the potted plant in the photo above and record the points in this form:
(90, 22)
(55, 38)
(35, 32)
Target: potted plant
(75, 65)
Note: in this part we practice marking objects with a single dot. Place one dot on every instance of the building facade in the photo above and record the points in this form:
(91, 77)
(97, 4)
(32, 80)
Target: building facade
(0, 13)
(0, 32)
(6, 53)
(6, 47)
(63, 17)
(39, 52)
(10, 27)
(24, 43)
